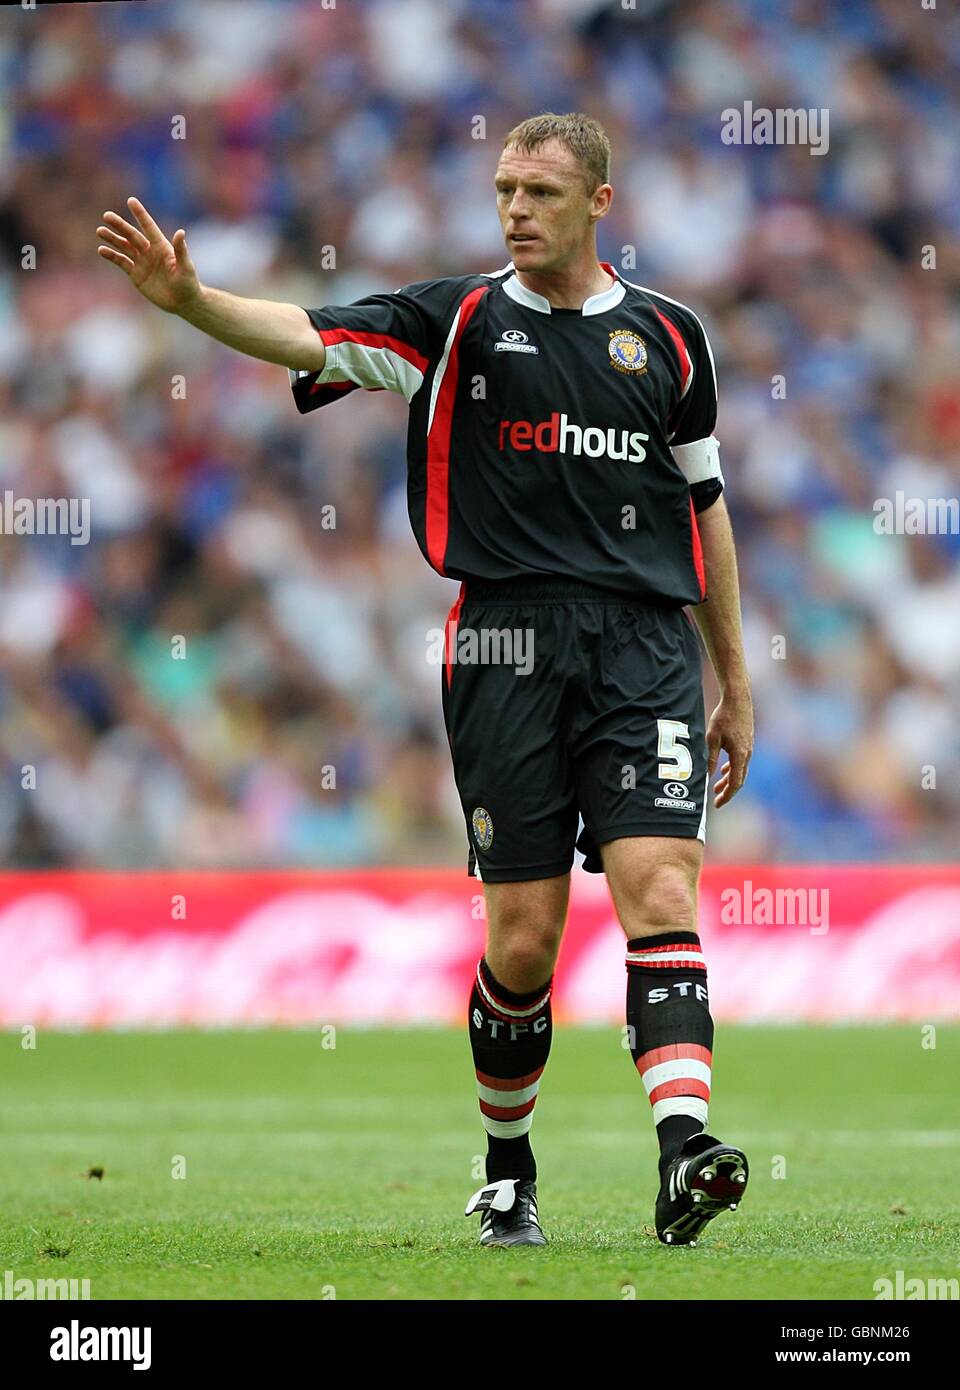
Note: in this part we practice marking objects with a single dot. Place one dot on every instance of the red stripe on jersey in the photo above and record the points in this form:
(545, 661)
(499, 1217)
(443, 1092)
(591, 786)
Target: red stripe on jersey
(515, 1083)
(697, 552)
(684, 1086)
(674, 1052)
(331, 336)
(438, 442)
(681, 347)
(506, 1112)
(450, 634)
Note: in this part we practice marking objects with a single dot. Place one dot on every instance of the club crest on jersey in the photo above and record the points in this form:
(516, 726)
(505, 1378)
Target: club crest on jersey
(628, 352)
(482, 828)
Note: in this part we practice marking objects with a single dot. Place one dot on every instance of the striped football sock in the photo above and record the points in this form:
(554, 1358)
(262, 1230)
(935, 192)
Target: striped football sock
(671, 1033)
(510, 1036)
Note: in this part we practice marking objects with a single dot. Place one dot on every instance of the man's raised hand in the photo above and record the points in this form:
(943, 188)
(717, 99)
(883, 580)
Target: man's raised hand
(160, 269)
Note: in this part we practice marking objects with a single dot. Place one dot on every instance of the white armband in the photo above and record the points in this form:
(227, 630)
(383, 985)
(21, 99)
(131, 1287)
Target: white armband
(699, 461)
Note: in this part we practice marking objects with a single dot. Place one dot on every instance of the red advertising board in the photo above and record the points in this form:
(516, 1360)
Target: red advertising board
(818, 943)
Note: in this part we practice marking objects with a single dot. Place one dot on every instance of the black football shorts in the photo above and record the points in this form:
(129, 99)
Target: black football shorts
(563, 701)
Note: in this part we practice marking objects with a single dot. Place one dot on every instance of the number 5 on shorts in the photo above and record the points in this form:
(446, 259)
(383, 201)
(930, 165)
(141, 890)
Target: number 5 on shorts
(681, 768)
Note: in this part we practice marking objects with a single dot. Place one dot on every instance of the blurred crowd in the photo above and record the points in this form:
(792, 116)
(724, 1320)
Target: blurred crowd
(223, 678)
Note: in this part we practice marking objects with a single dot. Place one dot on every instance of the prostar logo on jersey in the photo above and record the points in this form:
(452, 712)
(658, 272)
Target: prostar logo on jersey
(557, 435)
(513, 340)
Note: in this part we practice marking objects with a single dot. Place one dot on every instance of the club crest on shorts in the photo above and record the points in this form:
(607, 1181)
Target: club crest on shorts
(628, 352)
(482, 828)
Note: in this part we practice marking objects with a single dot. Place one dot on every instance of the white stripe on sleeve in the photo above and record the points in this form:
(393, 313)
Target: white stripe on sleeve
(373, 368)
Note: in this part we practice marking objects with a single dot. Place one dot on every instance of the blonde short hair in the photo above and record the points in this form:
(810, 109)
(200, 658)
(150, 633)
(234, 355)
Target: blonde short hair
(584, 137)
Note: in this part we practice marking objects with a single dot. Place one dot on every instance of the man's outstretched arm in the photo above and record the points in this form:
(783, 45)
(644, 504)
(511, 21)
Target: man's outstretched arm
(163, 273)
(731, 724)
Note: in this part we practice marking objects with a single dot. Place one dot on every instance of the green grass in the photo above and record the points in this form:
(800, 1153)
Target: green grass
(309, 1167)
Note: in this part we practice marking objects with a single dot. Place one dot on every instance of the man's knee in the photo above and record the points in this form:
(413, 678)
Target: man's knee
(665, 898)
(522, 962)
(525, 923)
(655, 892)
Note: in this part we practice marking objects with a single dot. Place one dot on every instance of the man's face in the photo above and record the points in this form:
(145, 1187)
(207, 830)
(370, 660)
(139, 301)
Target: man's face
(544, 207)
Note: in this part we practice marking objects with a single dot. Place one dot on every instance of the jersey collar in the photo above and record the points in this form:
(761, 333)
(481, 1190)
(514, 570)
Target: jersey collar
(596, 304)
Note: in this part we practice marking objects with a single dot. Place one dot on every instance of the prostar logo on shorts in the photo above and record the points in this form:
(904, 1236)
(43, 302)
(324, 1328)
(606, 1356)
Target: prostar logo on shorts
(675, 798)
(557, 435)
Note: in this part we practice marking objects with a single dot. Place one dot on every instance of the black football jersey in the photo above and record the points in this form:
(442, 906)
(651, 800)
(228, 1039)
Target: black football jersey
(566, 442)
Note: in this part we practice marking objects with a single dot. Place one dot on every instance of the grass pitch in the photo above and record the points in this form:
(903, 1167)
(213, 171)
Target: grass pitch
(314, 1172)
